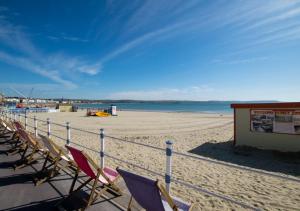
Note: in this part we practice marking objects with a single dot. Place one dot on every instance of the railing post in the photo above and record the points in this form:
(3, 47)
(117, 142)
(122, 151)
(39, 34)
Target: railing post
(168, 165)
(68, 133)
(15, 116)
(35, 126)
(102, 148)
(19, 117)
(11, 115)
(25, 120)
(49, 128)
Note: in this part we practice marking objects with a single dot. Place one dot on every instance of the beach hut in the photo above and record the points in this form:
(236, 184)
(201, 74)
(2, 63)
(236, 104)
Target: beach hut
(273, 126)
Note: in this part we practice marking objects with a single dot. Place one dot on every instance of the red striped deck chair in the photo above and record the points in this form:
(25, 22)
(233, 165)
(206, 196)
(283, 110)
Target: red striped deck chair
(105, 177)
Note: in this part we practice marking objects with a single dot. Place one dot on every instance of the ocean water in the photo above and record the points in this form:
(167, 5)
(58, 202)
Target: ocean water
(178, 106)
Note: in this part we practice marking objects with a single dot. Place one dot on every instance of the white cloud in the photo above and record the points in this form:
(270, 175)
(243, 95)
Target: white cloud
(12, 36)
(3, 9)
(276, 18)
(72, 64)
(26, 64)
(240, 61)
(252, 21)
(57, 66)
(76, 39)
(189, 93)
(65, 37)
(154, 36)
(93, 69)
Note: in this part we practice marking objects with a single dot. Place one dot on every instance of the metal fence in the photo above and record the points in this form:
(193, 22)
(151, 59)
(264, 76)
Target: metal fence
(169, 153)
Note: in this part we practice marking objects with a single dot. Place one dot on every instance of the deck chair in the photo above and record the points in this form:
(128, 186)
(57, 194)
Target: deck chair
(7, 129)
(105, 177)
(30, 142)
(150, 194)
(4, 129)
(57, 158)
(11, 129)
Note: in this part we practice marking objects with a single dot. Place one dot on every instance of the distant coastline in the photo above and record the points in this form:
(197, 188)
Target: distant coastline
(219, 107)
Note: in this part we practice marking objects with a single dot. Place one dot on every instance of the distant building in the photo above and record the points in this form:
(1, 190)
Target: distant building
(41, 101)
(2, 99)
(12, 99)
(64, 107)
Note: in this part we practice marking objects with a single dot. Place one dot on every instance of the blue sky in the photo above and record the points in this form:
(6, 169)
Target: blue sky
(151, 50)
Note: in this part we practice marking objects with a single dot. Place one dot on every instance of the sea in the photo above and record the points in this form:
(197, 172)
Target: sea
(222, 107)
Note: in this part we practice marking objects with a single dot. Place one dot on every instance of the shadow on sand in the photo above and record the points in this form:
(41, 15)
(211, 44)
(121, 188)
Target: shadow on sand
(269, 160)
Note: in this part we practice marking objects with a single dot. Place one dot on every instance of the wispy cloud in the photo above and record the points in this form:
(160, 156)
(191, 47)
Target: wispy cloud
(77, 39)
(54, 66)
(3, 9)
(26, 64)
(290, 13)
(252, 23)
(141, 39)
(13, 36)
(188, 93)
(240, 61)
(68, 38)
(148, 21)
(73, 64)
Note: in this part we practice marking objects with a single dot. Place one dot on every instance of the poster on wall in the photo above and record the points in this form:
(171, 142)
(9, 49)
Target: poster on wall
(275, 121)
(284, 122)
(262, 120)
(296, 119)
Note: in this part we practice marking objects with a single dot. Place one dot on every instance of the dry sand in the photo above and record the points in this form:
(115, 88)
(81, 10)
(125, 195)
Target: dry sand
(204, 134)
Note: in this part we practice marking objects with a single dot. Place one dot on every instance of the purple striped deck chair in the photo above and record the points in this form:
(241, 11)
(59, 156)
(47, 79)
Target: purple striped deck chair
(150, 194)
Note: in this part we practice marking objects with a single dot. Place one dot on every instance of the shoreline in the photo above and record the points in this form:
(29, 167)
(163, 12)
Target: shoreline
(170, 111)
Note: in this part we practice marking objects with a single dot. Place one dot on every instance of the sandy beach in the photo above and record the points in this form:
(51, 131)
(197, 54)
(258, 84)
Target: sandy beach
(202, 134)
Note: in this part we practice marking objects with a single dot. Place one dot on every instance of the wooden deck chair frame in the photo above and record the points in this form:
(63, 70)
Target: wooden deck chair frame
(36, 148)
(95, 193)
(18, 145)
(4, 128)
(54, 162)
(8, 128)
(168, 198)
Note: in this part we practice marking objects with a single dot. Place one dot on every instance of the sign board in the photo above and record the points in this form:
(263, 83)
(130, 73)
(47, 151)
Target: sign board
(275, 121)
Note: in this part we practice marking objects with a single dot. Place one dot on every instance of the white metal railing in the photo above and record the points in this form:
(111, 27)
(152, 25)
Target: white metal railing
(168, 150)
